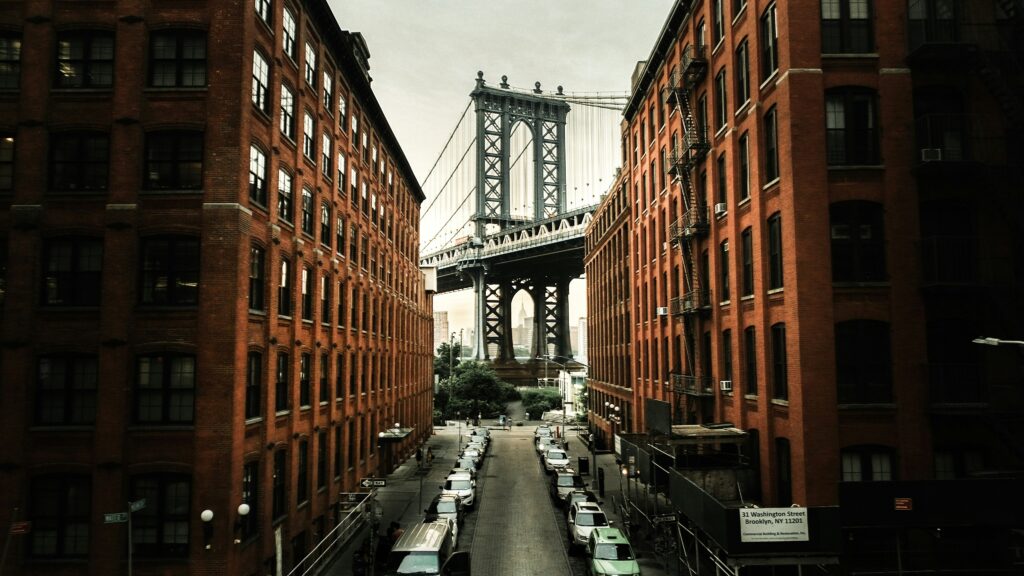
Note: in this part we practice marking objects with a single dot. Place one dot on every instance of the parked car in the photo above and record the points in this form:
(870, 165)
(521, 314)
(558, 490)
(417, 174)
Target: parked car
(581, 496)
(555, 458)
(609, 552)
(427, 549)
(565, 481)
(481, 432)
(474, 454)
(471, 471)
(584, 517)
(477, 442)
(545, 443)
(463, 486)
(467, 463)
(544, 430)
(446, 506)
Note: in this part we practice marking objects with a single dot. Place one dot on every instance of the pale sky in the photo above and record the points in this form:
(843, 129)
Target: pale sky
(424, 56)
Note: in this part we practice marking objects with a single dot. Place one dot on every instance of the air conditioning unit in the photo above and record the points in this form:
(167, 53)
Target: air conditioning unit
(721, 208)
(661, 310)
(931, 154)
(725, 385)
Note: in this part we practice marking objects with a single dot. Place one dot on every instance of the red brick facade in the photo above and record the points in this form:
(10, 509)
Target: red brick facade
(155, 343)
(872, 253)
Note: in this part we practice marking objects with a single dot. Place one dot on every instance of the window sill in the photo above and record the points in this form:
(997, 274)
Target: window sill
(780, 402)
(305, 408)
(254, 420)
(62, 428)
(750, 397)
(742, 108)
(769, 80)
(747, 298)
(724, 303)
(739, 15)
(161, 427)
(284, 317)
(281, 413)
(774, 182)
(774, 291)
(866, 406)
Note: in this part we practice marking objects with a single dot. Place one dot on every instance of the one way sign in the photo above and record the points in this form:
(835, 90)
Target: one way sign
(373, 482)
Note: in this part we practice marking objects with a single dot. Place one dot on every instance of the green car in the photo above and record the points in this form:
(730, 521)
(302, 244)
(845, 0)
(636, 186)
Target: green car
(609, 552)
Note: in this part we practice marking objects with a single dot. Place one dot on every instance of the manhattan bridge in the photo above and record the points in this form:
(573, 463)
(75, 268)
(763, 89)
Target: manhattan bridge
(508, 200)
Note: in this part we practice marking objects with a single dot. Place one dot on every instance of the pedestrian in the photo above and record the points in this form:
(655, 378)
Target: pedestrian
(430, 456)
(419, 457)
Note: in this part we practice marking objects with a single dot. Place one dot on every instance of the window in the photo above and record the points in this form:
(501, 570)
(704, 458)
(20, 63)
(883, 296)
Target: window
(723, 269)
(780, 378)
(718, 21)
(284, 289)
(325, 299)
(771, 146)
(6, 160)
(165, 389)
(846, 26)
(769, 43)
(742, 74)
(279, 495)
(783, 473)
(747, 239)
(287, 112)
(326, 148)
(305, 367)
(177, 59)
(66, 393)
(10, 62)
(867, 463)
(338, 462)
(257, 175)
(260, 82)
(321, 459)
(722, 184)
(342, 112)
(174, 160)
(249, 524)
(60, 509)
(85, 60)
(738, 6)
(750, 360)
(307, 211)
(933, 21)
(727, 355)
(858, 242)
(353, 244)
(284, 196)
(254, 385)
(721, 101)
(282, 388)
(342, 311)
(309, 136)
(852, 138)
(288, 33)
(325, 373)
(79, 161)
(325, 224)
(863, 362)
(257, 278)
(699, 35)
(328, 82)
(743, 186)
(310, 65)
(302, 481)
(263, 11)
(71, 275)
(339, 377)
(307, 294)
(161, 529)
(170, 271)
(774, 252)
(341, 172)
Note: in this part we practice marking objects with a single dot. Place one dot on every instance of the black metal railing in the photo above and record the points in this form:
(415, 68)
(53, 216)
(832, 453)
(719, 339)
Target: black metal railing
(691, 385)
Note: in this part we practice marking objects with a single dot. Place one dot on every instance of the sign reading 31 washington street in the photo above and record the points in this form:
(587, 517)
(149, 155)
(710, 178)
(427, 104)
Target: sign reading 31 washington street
(773, 524)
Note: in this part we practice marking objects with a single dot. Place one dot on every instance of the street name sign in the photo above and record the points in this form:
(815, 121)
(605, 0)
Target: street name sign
(373, 482)
(115, 518)
(137, 505)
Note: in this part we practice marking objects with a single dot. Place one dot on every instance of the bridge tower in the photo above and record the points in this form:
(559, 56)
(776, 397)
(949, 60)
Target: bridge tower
(498, 112)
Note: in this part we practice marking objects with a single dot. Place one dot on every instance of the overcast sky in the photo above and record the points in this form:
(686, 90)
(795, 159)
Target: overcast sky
(424, 56)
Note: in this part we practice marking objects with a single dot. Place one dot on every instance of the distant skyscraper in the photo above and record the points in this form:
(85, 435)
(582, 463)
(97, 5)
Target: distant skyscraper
(440, 327)
(581, 340)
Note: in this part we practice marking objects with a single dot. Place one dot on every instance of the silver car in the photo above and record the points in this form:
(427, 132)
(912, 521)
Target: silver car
(463, 486)
(583, 518)
(555, 458)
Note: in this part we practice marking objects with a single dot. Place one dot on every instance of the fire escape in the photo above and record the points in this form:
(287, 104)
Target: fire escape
(692, 391)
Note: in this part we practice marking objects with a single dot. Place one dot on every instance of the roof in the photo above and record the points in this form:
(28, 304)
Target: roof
(703, 434)
(603, 535)
(424, 537)
(667, 36)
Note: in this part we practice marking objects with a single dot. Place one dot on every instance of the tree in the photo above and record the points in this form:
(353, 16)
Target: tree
(476, 389)
(447, 357)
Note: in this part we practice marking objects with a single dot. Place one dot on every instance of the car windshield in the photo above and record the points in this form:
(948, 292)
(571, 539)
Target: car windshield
(556, 455)
(413, 563)
(465, 463)
(613, 552)
(446, 507)
(457, 485)
(591, 519)
(566, 480)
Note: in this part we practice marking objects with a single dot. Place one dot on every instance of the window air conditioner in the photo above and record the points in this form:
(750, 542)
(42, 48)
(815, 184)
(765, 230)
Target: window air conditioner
(931, 154)
(661, 311)
(725, 385)
(721, 208)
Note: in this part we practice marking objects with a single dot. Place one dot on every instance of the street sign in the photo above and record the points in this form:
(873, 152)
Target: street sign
(137, 505)
(373, 482)
(21, 527)
(115, 518)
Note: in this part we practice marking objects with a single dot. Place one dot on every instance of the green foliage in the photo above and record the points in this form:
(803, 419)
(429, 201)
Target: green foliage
(536, 401)
(447, 356)
(475, 389)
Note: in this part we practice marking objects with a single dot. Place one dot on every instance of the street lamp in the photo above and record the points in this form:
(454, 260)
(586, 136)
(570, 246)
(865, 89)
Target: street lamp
(207, 517)
(997, 342)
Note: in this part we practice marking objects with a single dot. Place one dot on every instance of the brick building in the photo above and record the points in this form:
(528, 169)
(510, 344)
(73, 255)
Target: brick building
(209, 285)
(824, 213)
